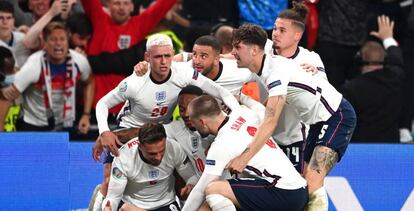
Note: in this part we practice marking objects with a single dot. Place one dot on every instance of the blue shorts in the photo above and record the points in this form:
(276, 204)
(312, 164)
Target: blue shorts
(335, 133)
(295, 153)
(259, 194)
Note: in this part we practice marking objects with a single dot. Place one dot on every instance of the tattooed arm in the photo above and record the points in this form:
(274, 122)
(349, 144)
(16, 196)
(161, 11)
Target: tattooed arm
(274, 107)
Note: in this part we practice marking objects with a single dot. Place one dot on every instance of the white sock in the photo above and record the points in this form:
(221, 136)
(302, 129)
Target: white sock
(318, 200)
(98, 202)
(218, 202)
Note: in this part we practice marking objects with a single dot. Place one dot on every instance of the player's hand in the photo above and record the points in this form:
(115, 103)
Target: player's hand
(108, 206)
(110, 140)
(385, 28)
(141, 68)
(97, 149)
(309, 68)
(237, 164)
(185, 191)
(84, 124)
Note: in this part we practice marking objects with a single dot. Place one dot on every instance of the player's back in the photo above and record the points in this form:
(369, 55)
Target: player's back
(270, 163)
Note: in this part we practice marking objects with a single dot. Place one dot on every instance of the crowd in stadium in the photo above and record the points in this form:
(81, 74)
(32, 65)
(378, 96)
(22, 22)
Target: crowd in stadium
(159, 85)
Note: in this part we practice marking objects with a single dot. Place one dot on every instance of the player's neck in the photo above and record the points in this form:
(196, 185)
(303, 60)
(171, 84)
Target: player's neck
(217, 123)
(288, 52)
(257, 63)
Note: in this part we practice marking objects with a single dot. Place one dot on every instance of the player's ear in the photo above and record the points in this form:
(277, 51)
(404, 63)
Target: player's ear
(146, 56)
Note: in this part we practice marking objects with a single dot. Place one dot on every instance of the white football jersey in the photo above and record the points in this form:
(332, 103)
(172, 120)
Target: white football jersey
(191, 141)
(290, 129)
(270, 163)
(313, 98)
(142, 184)
(151, 101)
(231, 77)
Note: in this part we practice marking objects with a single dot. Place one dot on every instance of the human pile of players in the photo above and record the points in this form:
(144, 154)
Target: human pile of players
(227, 151)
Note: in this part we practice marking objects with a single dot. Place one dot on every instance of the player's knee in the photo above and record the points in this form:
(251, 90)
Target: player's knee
(219, 202)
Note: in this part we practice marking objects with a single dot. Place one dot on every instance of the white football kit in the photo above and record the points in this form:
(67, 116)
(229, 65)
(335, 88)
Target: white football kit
(234, 135)
(142, 184)
(289, 129)
(312, 97)
(151, 101)
(191, 141)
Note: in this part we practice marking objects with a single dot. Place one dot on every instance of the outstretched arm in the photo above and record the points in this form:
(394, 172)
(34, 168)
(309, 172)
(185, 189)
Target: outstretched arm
(197, 195)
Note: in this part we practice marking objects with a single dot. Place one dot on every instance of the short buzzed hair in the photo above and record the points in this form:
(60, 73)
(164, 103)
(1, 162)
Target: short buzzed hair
(151, 133)
(204, 105)
(224, 36)
(159, 40)
(208, 40)
(372, 52)
(250, 34)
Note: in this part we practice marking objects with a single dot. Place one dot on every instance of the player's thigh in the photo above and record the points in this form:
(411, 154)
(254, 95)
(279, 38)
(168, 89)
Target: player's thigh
(130, 207)
(221, 187)
(335, 133)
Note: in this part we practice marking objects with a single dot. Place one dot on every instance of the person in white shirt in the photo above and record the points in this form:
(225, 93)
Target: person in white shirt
(150, 98)
(182, 131)
(48, 81)
(316, 102)
(269, 182)
(142, 175)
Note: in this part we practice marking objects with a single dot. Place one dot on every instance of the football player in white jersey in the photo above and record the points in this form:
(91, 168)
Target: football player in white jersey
(288, 29)
(142, 175)
(150, 98)
(269, 182)
(206, 60)
(316, 102)
(184, 132)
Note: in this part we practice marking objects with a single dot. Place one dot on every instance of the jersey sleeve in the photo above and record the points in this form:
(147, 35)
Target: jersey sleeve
(93, 9)
(210, 87)
(278, 79)
(117, 183)
(29, 73)
(218, 156)
(125, 89)
(83, 65)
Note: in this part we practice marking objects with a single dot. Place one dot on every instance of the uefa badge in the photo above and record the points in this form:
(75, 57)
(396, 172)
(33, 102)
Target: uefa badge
(123, 87)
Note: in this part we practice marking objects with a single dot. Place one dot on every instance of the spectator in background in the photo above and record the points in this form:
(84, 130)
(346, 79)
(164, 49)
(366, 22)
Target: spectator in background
(342, 29)
(29, 11)
(376, 93)
(8, 111)
(118, 31)
(406, 121)
(47, 81)
(261, 12)
(8, 37)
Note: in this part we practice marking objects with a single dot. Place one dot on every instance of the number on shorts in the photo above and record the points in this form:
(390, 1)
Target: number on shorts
(323, 130)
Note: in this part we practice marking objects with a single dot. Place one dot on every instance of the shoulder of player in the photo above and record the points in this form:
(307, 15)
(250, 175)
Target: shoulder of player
(174, 126)
(129, 148)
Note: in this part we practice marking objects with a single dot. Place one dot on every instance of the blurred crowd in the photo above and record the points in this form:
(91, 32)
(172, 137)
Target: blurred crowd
(59, 57)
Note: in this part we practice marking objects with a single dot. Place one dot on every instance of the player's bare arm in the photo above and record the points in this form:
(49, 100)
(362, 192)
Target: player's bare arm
(274, 107)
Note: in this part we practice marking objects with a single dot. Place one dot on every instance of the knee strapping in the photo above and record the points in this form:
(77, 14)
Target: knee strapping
(218, 202)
